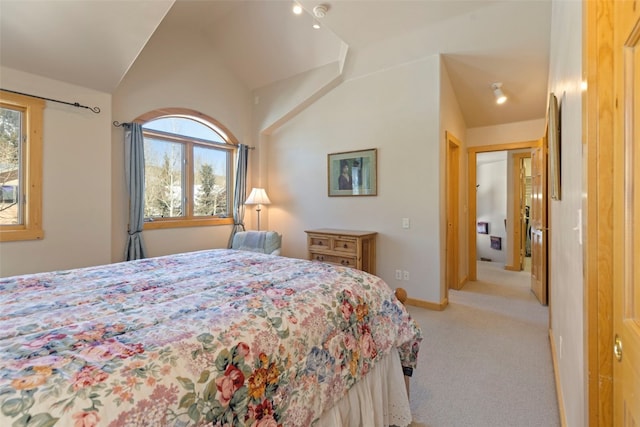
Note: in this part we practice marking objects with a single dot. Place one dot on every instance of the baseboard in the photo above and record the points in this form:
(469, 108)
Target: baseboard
(556, 373)
(464, 280)
(511, 268)
(427, 304)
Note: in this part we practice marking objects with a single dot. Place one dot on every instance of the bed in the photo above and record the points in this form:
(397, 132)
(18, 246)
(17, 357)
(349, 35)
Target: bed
(218, 337)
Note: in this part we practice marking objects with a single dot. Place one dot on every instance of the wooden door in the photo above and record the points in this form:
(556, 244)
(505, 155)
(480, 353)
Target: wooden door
(521, 224)
(453, 197)
(519, 216)
(626, 223)
(539, 222)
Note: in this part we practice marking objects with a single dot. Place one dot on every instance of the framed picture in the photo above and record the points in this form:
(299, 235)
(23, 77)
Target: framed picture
(483, 227)
(553, 137)
(496, 242)
(353, 173)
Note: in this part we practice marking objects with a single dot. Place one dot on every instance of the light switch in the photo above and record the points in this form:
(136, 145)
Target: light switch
(405, 222)
(579, 226)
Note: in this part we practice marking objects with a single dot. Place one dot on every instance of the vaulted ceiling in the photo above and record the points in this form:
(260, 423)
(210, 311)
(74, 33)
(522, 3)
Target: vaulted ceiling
(93, 43)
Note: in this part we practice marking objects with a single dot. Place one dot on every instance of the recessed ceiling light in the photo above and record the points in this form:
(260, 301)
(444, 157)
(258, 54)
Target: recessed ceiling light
(316, 25)
(297, 9)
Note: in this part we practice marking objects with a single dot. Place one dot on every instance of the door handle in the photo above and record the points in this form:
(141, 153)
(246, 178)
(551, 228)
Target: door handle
(617, 348)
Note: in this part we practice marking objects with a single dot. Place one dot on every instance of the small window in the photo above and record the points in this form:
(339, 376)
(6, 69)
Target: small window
(20, 167)
(188, 172)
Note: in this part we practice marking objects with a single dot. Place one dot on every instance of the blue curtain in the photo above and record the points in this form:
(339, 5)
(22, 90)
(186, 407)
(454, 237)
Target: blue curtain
(240, 191)
(134, 171)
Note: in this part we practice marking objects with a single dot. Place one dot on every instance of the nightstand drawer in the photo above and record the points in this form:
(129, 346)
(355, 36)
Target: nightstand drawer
(346, 245)
(333, 259)
(319, 243)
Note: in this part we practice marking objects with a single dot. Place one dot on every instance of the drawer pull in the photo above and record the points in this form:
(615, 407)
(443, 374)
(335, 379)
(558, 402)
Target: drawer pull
(344, 262)
(320, 243)
(345, 246)
(320, 258)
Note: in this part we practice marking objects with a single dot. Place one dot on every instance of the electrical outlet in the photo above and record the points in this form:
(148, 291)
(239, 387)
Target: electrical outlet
(398, 274)
(405, 275)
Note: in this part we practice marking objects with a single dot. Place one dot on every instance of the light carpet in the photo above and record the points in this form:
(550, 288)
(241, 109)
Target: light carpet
(486, 359)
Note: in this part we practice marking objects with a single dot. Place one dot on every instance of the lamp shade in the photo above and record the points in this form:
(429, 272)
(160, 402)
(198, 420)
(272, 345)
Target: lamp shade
(257, 197)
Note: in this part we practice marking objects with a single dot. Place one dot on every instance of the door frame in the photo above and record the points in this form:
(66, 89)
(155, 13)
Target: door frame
(452, 272)
(471, 194)
(597, 208)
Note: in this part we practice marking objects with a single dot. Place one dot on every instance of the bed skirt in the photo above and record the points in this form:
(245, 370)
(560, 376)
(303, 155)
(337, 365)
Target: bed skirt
(380, 399)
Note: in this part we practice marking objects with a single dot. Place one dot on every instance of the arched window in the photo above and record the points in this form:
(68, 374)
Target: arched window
(188, 169)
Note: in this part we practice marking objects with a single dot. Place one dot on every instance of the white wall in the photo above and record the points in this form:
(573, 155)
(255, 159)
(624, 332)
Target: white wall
(530, 130)
(395, 111)
(491, 207)
(76, 178)
(190, 79)
(566, 268)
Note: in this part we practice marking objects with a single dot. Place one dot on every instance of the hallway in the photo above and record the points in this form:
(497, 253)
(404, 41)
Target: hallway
(486, 359)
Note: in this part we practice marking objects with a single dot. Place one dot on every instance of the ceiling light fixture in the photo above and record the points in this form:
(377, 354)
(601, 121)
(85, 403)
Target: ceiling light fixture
(320, 11)
(501, 98)
(297, 9)
(316, 25)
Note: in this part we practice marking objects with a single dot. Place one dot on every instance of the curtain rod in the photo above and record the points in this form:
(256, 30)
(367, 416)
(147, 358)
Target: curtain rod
(73, 104)
(118, 124)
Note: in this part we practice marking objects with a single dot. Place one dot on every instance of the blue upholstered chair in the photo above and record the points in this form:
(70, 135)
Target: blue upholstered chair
(266, 242)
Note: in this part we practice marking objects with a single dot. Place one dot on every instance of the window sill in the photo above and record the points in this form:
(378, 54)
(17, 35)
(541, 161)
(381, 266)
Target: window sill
(19, 235)
(178, 223)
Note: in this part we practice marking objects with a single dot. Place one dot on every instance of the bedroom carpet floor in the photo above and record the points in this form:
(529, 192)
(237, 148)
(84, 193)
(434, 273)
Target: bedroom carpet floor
(486, 359)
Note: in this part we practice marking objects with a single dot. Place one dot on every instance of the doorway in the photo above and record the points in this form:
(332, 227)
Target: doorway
(472, 200)
(503, 202)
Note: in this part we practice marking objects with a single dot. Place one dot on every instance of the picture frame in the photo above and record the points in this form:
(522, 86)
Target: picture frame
(554, 141)
(482, 227)
(353, 173)
(496, 242)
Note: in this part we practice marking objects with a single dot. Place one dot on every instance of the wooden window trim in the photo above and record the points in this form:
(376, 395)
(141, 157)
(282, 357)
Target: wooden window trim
(33, 109)
(231, 145)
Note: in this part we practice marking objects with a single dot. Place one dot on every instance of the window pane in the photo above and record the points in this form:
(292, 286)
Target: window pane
(185, 127)
(210, 181)
(164, 179)
(10, 170)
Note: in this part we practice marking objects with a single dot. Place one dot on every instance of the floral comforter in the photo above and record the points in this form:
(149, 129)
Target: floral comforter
(220, 337)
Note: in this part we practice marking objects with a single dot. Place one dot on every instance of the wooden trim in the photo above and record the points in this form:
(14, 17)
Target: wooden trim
(179, 223)
(464, 280)
(427, 304)
(597, 130)
(187, 112)
(190, 220)
(471, 194)
(512, 268)
(503, 147)
(556, 374)
(32, 109)
(453, 213)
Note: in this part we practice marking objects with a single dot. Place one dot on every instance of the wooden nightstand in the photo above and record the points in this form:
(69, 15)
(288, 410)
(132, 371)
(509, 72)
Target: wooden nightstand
(348, 248)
